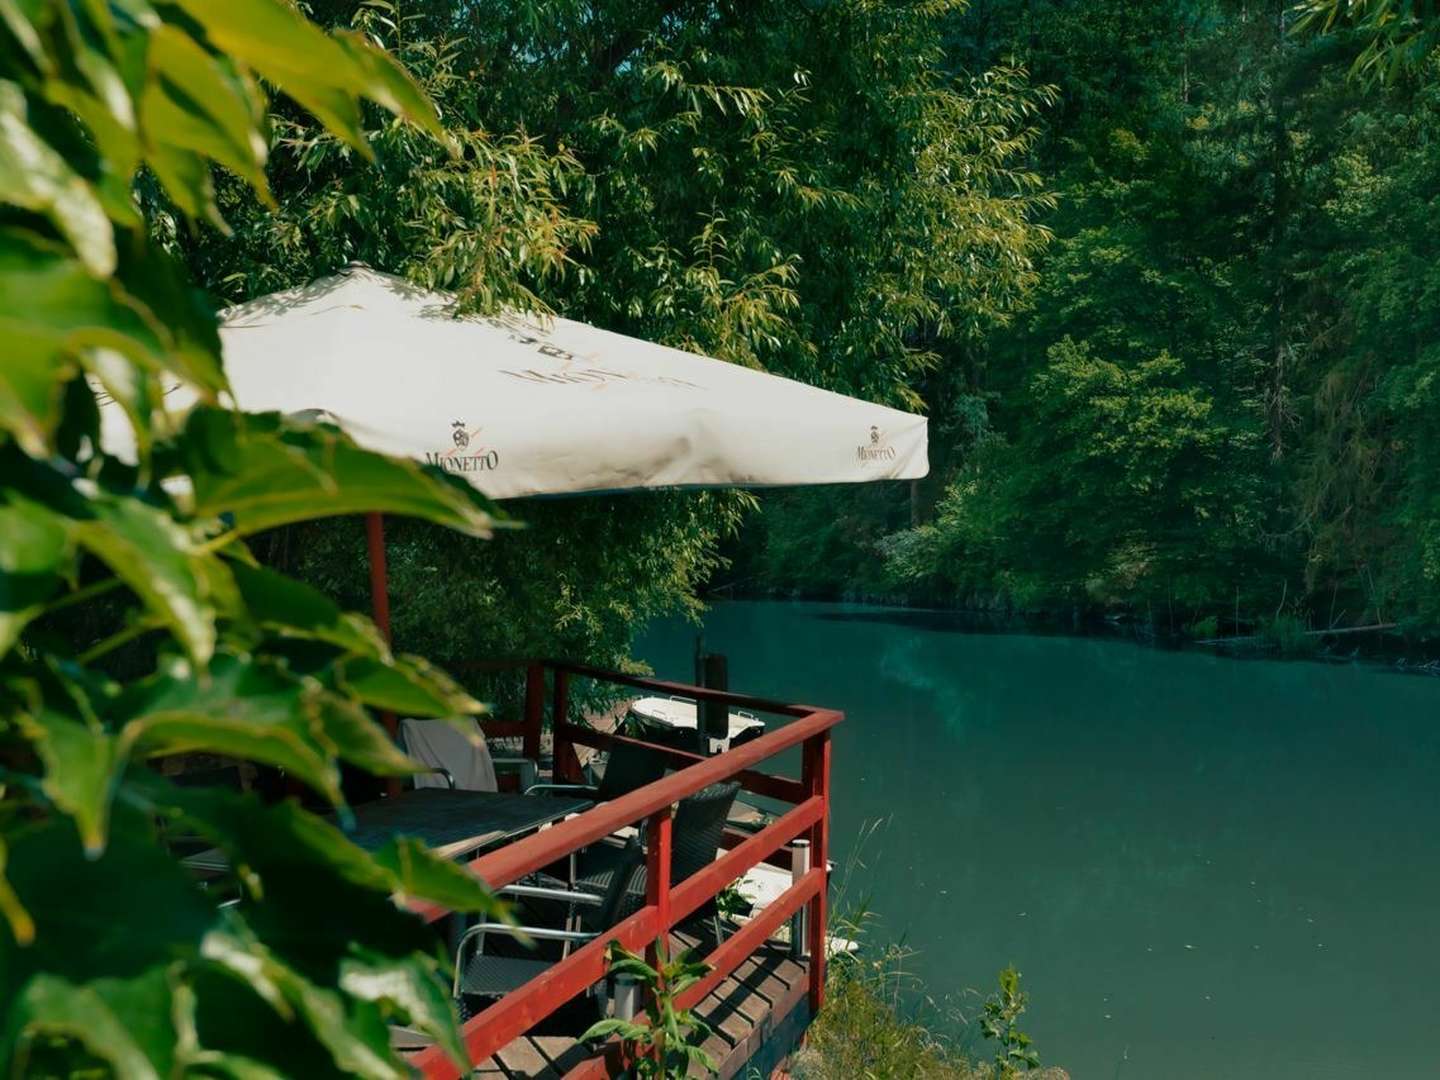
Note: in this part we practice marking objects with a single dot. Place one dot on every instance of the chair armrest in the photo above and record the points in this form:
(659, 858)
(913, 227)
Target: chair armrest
(522, 767)
(547, 892)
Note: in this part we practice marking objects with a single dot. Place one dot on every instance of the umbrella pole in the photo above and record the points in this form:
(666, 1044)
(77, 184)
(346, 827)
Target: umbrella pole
(379, 587)
(380, 607)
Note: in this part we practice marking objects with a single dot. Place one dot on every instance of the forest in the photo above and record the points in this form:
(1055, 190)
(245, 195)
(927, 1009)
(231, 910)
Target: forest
(1161, 275)
(1215, 407)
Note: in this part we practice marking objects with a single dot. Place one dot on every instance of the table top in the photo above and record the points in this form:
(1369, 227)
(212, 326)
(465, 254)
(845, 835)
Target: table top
(450, 823)
(453, 823)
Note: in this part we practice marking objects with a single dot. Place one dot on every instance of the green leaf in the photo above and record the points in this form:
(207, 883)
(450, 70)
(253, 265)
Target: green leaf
(50, 1007)
(96, 918)
(421, 874)
(360, 1048)
(81, 764)
(36, 551)
(266, 471)
(288, 840)
(413, 988)
(386, 82)
(22, 926)
(603, 1029)
(408, 685)
(294, 609)
(34, 176)
(159, 559)
(351, 734)
(20, 24)
(242, 706)
(194, 103)
(128, 386)
(50, 309)
(244, 1037)
(321, 72)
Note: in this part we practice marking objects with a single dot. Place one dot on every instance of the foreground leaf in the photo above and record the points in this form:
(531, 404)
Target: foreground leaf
(264, 470)
(324, 73)
(242, 707)
(80, 770)
(359, 1048)
(160, 560)
(35, 550)
(419, 873)
(34, 176)
(51, 1007)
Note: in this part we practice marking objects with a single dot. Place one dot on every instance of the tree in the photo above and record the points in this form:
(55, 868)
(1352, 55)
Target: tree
(813, 193)
(113, 120)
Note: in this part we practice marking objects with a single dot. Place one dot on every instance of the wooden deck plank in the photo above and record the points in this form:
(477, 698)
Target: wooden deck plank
(523, 1060)
(562, 1053)
(744, 1012)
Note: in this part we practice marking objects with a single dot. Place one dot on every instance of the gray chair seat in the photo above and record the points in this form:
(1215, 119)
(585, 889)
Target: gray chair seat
(491, 976)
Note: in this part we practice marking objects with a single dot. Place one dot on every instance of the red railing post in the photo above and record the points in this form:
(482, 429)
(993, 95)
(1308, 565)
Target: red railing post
(655, 804)
(657, 881)
(816, 778)
(564, 749)
(534, 710)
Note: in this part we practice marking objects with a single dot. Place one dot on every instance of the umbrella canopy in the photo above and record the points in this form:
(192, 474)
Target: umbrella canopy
(534, 407)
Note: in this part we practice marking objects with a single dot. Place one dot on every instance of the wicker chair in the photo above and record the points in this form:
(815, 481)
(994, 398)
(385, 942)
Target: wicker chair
(589, 913)
(628, 768)
(695, 838)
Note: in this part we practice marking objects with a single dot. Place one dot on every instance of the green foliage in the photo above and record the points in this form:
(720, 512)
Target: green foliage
(1289, 635)
(1001, 1022)
(1119, 481)
(864, 1031)
(1400, 35)
(667, 1044)
(114, 119)
(822, 197)
(814, 193)
(1219, 397)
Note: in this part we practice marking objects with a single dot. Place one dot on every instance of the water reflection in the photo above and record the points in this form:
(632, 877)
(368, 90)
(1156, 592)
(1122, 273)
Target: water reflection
(1204, 867)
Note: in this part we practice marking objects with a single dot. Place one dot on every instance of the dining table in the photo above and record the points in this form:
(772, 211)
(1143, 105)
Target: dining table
(452, 824)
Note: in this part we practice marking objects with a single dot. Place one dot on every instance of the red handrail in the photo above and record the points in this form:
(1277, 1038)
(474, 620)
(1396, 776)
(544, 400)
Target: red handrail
(665, 906)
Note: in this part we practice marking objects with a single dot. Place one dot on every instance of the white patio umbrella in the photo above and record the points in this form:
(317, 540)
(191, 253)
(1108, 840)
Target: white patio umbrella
(523, 407)
(542, 407)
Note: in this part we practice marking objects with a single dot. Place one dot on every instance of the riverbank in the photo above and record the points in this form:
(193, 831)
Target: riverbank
(862, 1031)
(1283, 637)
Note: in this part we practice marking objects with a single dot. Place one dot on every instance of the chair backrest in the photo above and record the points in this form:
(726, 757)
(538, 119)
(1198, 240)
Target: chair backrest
(699, 825)
(614, 905)
(457, 747)
(628, 768)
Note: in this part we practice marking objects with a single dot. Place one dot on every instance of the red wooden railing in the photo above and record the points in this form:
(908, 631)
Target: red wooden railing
(665, 906)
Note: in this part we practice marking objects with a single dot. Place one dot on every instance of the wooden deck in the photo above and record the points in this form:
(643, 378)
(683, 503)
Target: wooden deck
(757, 1015)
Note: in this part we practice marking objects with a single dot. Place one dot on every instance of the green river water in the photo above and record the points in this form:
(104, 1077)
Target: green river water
(1204, 867)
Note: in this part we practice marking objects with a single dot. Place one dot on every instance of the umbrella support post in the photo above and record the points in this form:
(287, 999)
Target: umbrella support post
(380, 607)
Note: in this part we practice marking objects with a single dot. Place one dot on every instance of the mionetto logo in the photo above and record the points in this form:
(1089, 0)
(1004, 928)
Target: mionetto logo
(878, 450)
(463, 458)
